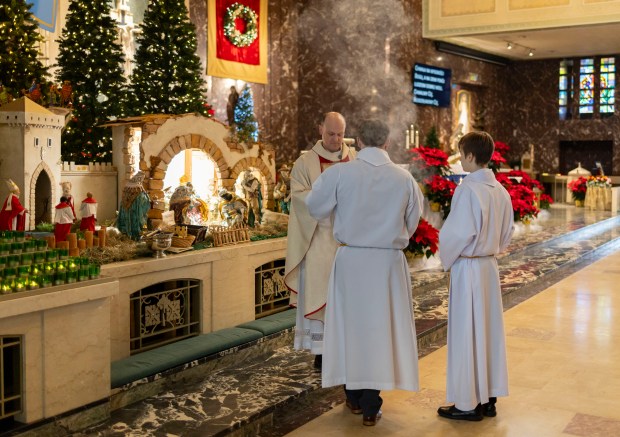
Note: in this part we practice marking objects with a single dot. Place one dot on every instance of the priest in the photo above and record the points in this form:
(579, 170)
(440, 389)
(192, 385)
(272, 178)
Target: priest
(311, 246)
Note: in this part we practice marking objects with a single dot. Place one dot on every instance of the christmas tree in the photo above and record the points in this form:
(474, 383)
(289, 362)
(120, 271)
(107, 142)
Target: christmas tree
(91, 61)
(167, 77)
(432, 140)
(246, 127)
(19, 63)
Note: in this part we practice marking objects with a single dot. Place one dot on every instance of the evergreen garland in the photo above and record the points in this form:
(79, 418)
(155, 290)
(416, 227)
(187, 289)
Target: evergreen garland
(167, 77)
(246, 127)
(19, 63)
(432, 140)
(91, 59)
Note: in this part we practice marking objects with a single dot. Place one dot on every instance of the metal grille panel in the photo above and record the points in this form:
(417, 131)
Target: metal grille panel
(270, 293)
(164, 313)
(10, 376)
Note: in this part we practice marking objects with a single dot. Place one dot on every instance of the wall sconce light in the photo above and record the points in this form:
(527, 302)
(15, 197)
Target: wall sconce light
(531, 53)
(509, 45)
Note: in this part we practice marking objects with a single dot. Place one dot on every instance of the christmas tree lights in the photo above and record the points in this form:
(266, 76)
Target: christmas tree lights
(246, 127)
(19, 63)
(91, 60)
(167, 77)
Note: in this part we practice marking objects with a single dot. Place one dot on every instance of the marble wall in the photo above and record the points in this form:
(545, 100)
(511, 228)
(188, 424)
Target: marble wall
(356, 56)
(529, 115)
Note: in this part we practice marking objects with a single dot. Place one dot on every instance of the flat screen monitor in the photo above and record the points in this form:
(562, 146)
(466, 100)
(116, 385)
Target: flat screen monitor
(431, 85)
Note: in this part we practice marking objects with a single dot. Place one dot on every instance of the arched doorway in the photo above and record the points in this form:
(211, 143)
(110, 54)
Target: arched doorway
(43, 199)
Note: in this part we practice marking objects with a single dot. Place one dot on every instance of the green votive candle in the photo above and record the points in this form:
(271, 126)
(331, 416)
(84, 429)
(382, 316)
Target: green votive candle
(26, 259)
(6, 286)
(94, 271)
(5, 248)
(20, 284)
(41, 244)
(47, 279)
(38, 257)
(19, 236)
(2, 262)
(12, 260)
(23, 270)
(72, 276)
(83, 274)
(17, 248)
(29, 245)
(63, 253)
(60, 278)
(51, 255)
(34, 282)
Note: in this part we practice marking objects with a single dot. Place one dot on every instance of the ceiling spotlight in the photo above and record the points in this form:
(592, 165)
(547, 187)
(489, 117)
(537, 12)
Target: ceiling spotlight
(531, 52)
(509, 46)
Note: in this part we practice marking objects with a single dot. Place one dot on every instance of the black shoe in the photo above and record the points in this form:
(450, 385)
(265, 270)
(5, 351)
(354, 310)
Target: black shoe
(318, 361)
(451, 412)
(489, 409)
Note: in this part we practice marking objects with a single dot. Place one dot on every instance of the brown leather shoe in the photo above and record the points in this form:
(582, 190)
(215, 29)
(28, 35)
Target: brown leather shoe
(354, 409)
(372, 420)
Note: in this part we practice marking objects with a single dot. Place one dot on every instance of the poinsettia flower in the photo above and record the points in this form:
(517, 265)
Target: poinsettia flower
(425, 240)
(501, 148)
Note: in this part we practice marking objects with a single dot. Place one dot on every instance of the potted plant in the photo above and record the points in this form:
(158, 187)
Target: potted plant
(578, 188)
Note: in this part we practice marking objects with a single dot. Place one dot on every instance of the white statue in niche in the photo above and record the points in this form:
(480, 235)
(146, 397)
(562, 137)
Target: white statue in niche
(463, 124)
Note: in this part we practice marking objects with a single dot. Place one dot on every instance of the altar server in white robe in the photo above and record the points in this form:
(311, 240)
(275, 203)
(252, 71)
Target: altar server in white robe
(311, 246)
(479, 226)
(370, 340)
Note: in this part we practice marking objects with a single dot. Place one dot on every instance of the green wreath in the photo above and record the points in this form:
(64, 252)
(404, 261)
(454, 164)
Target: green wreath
(237, 10)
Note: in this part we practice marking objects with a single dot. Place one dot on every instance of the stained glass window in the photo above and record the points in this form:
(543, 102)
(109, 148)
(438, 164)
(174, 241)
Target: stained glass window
(607, 86)
(586, 86)
(563, 100)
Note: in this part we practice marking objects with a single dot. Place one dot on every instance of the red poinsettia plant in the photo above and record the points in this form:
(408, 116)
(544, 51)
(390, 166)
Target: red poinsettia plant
(525, 179)
(522, 197)
(496, 161)
(501, 148)
(440, 190)
(425, 240)
(545, 201)
(578, 187)
(429, 158)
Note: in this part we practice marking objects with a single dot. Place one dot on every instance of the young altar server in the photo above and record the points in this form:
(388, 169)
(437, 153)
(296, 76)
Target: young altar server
(63, 219)
(370, 340)
(479, 226)
(88, 211)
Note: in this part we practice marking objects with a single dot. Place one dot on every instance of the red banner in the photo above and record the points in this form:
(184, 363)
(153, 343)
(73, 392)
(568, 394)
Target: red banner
(234, 61)
(225, 48)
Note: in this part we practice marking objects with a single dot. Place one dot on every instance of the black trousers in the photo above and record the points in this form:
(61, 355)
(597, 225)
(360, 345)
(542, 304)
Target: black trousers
(368, 400)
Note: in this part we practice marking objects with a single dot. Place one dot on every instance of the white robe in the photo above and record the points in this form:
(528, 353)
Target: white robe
(310, 250)
(370, 340)
(480, 225)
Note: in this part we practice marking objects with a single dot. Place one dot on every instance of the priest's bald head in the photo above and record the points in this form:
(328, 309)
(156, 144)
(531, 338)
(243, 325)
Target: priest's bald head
(332, 131)
(374, 133)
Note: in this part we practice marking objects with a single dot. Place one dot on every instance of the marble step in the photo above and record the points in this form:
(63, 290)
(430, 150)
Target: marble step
(272, 394)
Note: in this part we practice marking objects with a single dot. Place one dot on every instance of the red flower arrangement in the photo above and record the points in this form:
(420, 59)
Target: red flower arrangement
(525, 179)
(496, 161)
(578, 187)
(522, 197)
(425, 240)
(430, 158)
(523, 202)
(545, 201)
(501, 148)
(440, 190)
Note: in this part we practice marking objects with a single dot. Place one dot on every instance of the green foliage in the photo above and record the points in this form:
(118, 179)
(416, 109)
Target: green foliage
(246, 127)
(91, 59)
(432, 140)
(19, 63)
(167, 77)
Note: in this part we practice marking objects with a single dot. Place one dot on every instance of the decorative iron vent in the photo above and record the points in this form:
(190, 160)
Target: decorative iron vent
(270, 294)
(164, 313)
(10, 376)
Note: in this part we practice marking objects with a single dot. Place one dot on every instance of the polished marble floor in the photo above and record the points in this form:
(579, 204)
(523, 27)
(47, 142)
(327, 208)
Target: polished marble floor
(564, 371)
(243, 397)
